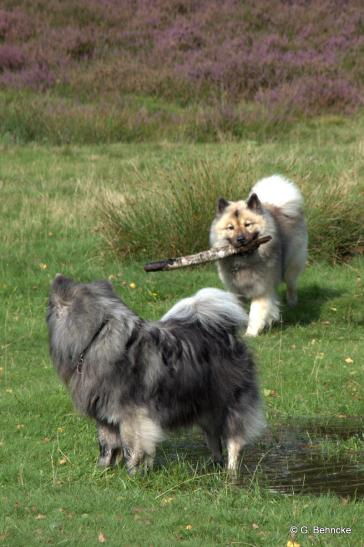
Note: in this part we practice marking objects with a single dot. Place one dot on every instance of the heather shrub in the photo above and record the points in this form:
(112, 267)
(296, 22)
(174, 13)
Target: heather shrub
(11, 58)
(15, 25)
(172, 216)
(311, 95)
(37, 77)
(285, 60)
(72, 43)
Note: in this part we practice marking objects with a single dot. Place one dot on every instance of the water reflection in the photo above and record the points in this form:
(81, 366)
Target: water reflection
(300, 457)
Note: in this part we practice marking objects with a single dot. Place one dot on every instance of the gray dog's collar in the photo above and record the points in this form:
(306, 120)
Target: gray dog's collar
(81, 357)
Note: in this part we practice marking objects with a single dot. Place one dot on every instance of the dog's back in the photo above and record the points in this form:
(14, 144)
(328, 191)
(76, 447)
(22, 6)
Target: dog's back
(197, 365)
(284, 201)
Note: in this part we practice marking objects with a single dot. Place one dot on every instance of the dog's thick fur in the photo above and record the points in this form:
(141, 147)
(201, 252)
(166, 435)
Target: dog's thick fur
(274, 207)
(139, 379)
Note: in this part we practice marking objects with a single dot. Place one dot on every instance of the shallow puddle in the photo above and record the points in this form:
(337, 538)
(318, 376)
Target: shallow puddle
(301, 457)
(304, 471)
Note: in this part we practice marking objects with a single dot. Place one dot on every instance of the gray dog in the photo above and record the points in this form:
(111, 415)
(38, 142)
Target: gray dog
(140, 379)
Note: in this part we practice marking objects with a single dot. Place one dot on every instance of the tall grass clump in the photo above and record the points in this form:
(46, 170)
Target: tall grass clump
(335, 212)
(173, 216)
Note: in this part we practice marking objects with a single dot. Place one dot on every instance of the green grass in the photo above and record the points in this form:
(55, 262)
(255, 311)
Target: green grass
(61, 118)
(50, 488)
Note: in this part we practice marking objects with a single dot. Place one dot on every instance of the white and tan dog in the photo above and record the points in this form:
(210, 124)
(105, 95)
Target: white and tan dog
(274, 207)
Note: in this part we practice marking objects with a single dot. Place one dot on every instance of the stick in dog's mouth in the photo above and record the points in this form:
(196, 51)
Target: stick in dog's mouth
(211, 255)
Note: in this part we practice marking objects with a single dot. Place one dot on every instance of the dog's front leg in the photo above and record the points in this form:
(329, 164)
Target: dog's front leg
(134, 459)
(263, 311)
(111, 449)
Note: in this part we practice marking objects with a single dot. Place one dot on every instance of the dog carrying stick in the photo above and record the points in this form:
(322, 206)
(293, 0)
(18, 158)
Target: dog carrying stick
(205, 256)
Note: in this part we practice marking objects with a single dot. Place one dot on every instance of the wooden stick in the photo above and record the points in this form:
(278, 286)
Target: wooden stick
(205, 256)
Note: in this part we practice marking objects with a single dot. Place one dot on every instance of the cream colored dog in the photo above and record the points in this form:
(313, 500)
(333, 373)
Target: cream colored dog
(274, 207)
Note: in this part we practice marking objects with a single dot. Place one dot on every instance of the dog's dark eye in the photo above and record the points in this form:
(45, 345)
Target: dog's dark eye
(230, 227)
(247, 224)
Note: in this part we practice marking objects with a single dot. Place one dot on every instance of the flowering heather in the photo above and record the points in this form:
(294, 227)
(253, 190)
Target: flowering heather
(15, 25)
(311, 95)
(11, 58)
(286, 59)
(37, 77)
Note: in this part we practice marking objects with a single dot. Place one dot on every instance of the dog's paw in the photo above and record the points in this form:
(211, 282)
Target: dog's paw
(110, 457)
(251, 332)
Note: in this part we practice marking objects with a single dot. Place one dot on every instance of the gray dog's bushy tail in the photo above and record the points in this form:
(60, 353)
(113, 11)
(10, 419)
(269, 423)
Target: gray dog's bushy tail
(213, 308)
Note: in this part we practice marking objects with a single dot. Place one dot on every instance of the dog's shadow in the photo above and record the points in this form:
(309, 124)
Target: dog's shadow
(311, 300)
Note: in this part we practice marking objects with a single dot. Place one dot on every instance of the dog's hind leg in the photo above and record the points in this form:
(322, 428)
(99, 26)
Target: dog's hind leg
(290, 278)
(111, 449)
(294, 265)
(245, 423)
(214, 444)
(234, 447)
(213, 441)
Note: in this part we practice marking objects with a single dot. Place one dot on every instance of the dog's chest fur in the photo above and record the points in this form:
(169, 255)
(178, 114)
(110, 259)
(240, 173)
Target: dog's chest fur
(245, 276)
(251, 275)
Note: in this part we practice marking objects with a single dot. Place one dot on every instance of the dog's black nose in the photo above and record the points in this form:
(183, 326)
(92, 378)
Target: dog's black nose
(241, 239)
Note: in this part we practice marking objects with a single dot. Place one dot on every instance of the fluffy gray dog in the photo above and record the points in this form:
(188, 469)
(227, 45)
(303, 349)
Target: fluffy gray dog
(139, 379)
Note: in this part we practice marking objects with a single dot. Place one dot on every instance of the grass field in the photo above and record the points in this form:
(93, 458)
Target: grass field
(311, 364)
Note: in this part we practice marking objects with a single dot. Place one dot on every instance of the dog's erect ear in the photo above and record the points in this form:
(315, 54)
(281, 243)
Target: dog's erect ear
(221, 205)
(254, 203)
(61, 290)
(61, 283)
